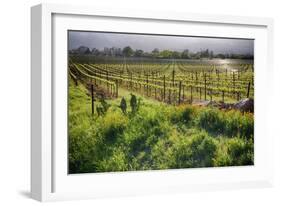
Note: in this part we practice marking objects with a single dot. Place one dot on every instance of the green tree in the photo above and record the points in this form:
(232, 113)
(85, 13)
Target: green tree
(166, 54)
(133, 103)
(123, 105)
(139, 53)
(128, 51)
(155, 52)
(185, 54)
(105, 105)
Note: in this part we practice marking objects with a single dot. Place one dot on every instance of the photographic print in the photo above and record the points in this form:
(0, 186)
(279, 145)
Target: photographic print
(150, 102)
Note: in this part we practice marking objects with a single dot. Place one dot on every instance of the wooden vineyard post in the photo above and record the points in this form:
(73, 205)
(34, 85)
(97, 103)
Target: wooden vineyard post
(173, 77)
(155, 89)
(131, 83)
(147, 85)
(205, 85)
(116, 92)
(180, 92)
(95, 74)
(191, 97)
(223, 96)
(233, 83)
(170, 95)
(196, 81)
(164, 93)
(248, 90)
(200, 92)
(211, 94)
(183, 93)
(100, 76)
(93, 99)
(120, 75)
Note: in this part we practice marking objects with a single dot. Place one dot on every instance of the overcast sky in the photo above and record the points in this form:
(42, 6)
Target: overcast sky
(147, 43)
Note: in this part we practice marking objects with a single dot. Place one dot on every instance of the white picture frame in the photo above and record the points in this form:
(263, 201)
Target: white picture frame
(49, 179)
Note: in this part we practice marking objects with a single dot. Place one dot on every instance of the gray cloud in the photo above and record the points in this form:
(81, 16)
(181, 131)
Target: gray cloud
(100, 40)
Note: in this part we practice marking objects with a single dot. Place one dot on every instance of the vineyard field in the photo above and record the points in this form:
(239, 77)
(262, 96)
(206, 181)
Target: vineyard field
(159, 102)
(129, 114)
(173, 82)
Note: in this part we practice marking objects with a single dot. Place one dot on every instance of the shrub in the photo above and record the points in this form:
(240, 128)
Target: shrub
(123, 105)
(116, 162)
(231, 123)
(181, 115)
(247, 126)
(237, 124)
(195, 151)
(145, 129)
(235, 152)
(161, 154)
(84, 149)
(133, 103)
(113, 125)
(211, 120)
(241, 152)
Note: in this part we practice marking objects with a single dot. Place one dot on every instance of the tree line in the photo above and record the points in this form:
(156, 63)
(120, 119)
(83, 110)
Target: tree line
(156, 53)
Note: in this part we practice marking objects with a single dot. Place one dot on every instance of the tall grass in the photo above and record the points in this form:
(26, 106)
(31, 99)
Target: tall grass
(156, 136)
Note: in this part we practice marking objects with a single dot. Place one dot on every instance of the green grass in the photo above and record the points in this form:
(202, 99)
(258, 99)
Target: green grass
(157, 136)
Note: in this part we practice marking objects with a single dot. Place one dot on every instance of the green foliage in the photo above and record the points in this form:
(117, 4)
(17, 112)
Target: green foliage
(133, 103)
(128, 51)
(157, 136)
(113, 126)
(195, 151)
(115, 162)
(103, 107)
(211, 120)
(182, 115)
(241, 125)
(123, 105)
(235, 152)
(145, 129)
(99, 110)
(231, 123)
(241, 152)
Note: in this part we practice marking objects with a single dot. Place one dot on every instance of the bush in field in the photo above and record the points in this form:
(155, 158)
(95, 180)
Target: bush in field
(123, 105)
(161, 154)
(235, 152)
(247, 126)
(145, 129)
(195, 151)
(113, 125)
(102, 107)
(241, 152)
(133, 103)
(115, 162)
(80, 154)
(181, 115)
(231, 123)
(84, 145)
(237, 124)
(211, 120)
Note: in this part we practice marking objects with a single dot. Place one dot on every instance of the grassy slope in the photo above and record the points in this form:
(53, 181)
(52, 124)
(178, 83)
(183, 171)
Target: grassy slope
(158, 136)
